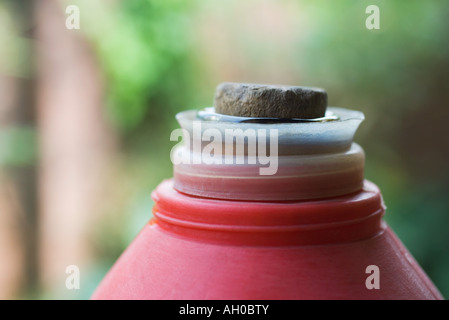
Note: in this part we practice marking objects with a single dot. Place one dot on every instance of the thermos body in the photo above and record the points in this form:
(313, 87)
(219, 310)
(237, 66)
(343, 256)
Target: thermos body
(281, 211)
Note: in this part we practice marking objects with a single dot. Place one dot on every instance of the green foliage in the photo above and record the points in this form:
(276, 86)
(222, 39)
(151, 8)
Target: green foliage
(376, 63)
(17, 146)
(144, 50)
(420, 218)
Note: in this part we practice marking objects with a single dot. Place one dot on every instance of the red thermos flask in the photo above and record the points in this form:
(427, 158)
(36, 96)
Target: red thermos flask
(271, 210)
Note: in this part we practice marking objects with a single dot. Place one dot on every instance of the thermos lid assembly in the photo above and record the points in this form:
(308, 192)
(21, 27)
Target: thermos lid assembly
(272, 143)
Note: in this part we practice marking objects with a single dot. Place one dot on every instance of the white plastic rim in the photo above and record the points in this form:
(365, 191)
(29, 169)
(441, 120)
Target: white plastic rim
(294, 138)
(314, 160)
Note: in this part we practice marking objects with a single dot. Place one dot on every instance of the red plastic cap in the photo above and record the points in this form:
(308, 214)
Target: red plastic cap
(340, 219)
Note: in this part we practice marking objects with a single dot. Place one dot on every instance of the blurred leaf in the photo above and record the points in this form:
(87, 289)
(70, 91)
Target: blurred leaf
(141, 45)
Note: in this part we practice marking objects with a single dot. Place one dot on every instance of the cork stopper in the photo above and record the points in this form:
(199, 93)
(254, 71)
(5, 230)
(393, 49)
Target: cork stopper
(270, 101)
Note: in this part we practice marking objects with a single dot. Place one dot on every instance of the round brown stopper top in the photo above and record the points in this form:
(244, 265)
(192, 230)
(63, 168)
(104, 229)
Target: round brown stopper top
(270, 101)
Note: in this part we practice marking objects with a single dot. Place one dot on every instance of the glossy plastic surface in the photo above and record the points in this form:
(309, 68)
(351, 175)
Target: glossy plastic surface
(198, 248)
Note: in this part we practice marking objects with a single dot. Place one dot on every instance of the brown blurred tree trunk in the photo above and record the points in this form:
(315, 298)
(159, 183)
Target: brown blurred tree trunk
(19, 190)
(74, 145)
(26, 177)
(15, 228)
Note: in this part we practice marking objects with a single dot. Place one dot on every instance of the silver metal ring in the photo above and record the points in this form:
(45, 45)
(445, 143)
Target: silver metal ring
(209, 114)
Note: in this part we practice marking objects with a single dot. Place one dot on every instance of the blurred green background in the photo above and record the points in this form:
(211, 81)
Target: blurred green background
(155, 58)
